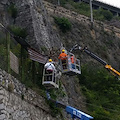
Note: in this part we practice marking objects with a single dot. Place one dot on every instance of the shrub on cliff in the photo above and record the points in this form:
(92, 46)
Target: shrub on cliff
(18, 31)
(103, 14)
(13, 10)
(102, 92)
(63, 23)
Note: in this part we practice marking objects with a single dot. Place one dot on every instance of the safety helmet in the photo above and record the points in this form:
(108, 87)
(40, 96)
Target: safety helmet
(63, 50)
(50, 60)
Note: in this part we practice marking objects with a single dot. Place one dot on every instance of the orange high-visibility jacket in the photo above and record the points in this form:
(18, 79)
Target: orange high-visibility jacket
(62, 56)
(73, 59)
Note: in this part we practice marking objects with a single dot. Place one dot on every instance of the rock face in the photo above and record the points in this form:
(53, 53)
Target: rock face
(17, 102)
(33, 16)
(103, 39)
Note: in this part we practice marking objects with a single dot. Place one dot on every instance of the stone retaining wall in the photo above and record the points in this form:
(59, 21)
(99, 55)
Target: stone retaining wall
(13, 107)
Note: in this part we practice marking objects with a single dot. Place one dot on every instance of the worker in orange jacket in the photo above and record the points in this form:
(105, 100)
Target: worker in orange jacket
(63, 56)
(73, 60)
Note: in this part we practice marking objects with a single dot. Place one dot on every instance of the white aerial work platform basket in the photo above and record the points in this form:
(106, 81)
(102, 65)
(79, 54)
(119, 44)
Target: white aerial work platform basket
(50, 80)
(69, 68)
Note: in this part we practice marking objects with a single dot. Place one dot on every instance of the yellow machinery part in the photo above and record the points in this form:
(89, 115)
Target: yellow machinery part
(112, 69)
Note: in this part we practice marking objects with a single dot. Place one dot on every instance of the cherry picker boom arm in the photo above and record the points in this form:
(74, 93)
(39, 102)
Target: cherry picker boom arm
(106, 65)
(94, 56)
(70, 110)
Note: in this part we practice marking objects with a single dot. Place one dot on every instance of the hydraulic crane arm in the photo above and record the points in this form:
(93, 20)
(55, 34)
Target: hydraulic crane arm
(106, 65)
(112, 70)
(75, 113)
(94, 56)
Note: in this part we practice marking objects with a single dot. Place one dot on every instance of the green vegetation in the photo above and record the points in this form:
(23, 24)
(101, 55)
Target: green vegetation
(102, 15)
(63, 23)
(54, 110)
(84, 9)
(30, 73)
(54, 95)
(99, 14)
(13, 10)
(57, 93)
(3, 51)
(98, 86)
(43, 48)
(18, 31)
(81, 8)
(10, 87)
(117, 18)
(102, 91)
(63, 2)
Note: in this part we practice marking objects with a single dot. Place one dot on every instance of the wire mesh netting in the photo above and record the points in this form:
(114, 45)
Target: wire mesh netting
(3, 50)
(15, 60)
(15, 53)
(29, 72)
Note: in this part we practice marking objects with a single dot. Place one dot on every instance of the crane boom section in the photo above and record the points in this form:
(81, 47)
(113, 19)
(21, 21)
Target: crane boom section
(112, 69)
(95, 56)
(115, 72)
(106, 65)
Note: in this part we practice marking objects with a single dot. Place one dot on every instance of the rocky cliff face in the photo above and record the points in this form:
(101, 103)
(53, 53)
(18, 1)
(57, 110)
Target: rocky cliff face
(36, 16)
(21, 103)
(33, 16)
(103, 39)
